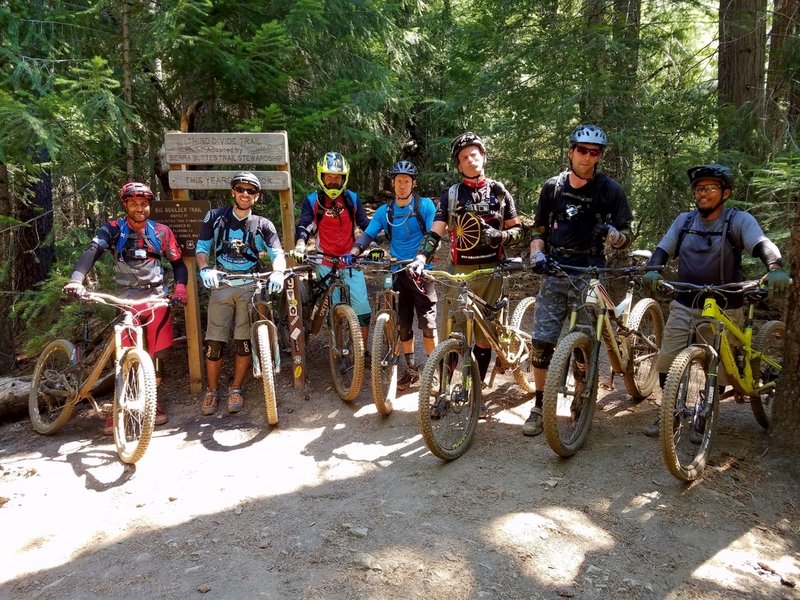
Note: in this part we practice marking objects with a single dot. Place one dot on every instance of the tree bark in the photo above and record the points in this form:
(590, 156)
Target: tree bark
(7, 349)
(742, 45)
(779, 73)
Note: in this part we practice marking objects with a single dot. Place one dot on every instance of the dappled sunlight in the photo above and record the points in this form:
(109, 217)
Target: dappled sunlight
(360, 451)
(645, 505)
(550, 546)
(741, 563)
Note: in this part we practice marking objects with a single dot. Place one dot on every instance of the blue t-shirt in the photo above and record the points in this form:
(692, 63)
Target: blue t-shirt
(405, 230)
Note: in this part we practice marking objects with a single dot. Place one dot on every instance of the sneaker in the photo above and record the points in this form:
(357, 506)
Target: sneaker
(235, 400)
(533, 426)
(409, 378)
(161, 415)
(653, 430)
(210, 401)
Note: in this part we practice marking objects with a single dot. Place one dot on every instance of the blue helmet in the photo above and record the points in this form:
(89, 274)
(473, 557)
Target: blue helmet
(404, 167)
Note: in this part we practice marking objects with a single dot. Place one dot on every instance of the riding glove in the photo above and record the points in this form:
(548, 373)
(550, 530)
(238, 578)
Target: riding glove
(74, 289)
(180, 295)
(651, 279)
(494, 237)
(417, 266)
(211, 277)
(777, 283)
(539, 262)
(275, 282)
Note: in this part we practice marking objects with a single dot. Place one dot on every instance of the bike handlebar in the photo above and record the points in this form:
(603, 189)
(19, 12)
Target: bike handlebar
(101, 298)
(629, 270)
(737, 287)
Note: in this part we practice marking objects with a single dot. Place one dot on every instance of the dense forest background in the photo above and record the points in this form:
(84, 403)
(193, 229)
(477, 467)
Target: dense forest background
(89, 87)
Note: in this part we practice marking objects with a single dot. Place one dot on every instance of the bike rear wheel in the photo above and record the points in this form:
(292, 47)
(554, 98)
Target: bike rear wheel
(134, 405)
(53, 387)
(769, 341)
(449, 401)
(647, 323)
(687, 422)
(346, 352)
(264, 348)
(522, 319)
(569, 396)
(385, 358)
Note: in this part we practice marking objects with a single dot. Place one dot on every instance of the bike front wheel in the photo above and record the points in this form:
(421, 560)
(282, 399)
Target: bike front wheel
(569, 396)
(687, 420)
(134, 405)
(53, 387)
(449, 401)
(385, 357)
(346, 352)
(264, 347)
(647, 326)
(522, 319)
(769, 342)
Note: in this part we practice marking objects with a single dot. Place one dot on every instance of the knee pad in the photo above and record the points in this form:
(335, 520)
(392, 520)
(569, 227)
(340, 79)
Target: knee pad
(363, 320)
(406, 333)
(243, 347)
(214, 350)
(541, 353)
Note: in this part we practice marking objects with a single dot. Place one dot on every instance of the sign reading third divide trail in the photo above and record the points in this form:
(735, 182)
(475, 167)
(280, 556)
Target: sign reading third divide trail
(227, 148)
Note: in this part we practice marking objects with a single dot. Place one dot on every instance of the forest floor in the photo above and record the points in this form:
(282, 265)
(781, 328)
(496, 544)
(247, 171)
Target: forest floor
(339, 502)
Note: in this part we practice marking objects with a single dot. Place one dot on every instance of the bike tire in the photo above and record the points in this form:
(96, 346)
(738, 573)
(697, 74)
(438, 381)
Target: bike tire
(647, 323)
(346, 352)
(522, 319)
(134, 412)
(49, 413)
(685, 387)
(264, 348)
(448, 432)
(567, 407)
(384, 362)
(770, 341)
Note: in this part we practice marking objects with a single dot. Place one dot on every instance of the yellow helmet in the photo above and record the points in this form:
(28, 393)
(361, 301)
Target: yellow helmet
(333, 162)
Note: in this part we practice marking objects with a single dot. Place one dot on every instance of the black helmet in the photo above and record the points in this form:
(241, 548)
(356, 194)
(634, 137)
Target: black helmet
(588, 134)
(714, 171)
(462, 141)
(404, 167)
(246, 177)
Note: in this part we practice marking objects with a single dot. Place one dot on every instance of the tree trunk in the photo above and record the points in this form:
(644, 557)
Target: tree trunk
(786, 412)
(7, 348)
(742, 44)
(127, 88)
(780, 72)
(32, 252)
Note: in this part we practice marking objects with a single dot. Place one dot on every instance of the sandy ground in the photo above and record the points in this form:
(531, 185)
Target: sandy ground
(339, 502)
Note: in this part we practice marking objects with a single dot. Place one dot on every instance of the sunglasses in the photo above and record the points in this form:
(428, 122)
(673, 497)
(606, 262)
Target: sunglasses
(699, 189)
(248, 191)
(593, 152)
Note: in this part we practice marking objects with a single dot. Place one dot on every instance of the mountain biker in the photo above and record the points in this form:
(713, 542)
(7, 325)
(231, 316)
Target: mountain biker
(708, 244)
(406, 219)
(334, 212)
(483, 207)
(138, 245)
(579, 210)
(237, 239)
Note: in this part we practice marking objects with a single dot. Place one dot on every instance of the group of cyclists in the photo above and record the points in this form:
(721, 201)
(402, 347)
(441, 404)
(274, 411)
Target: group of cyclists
(579, 212)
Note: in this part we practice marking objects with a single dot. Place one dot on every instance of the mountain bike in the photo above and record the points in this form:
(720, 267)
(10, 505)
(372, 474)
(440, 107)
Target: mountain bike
(450, 387)
(66, 374)
(264, 334)
(327, 300)
(690, 402)
(632, 336)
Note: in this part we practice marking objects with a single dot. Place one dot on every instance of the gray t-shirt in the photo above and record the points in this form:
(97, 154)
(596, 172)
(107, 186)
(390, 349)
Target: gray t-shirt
(704, 247)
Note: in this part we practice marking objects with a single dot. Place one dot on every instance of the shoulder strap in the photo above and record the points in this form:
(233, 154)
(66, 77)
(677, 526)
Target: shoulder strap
(557, 191)
(414, 210)
(684, 230)
(150, 232)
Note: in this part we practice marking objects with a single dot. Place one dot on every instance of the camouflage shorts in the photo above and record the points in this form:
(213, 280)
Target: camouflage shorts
(553, 305)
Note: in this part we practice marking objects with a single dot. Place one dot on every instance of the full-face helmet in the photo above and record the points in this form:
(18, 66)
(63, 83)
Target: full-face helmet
(132, 189)
(713, 171)
(333, 162)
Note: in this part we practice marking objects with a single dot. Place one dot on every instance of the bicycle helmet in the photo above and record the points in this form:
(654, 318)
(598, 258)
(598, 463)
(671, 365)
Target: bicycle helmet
(333, 162)
(462, 141)
(246, 177)
(713, 171)
(588, 134)
(404, 167)
(129, 190)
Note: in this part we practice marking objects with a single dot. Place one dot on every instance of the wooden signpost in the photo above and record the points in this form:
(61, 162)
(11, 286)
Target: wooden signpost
(243, 150)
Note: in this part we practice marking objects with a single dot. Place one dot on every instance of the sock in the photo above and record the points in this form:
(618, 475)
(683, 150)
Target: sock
(483, 356)
(539, 398)
(662, 379)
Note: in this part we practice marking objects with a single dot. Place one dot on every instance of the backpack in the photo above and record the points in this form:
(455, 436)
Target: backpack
(735, 249)
(350, 200)
(414, 211)
(125, 233)
(222, 222)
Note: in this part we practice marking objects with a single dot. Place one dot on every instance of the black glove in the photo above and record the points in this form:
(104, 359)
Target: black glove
(494, 237)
